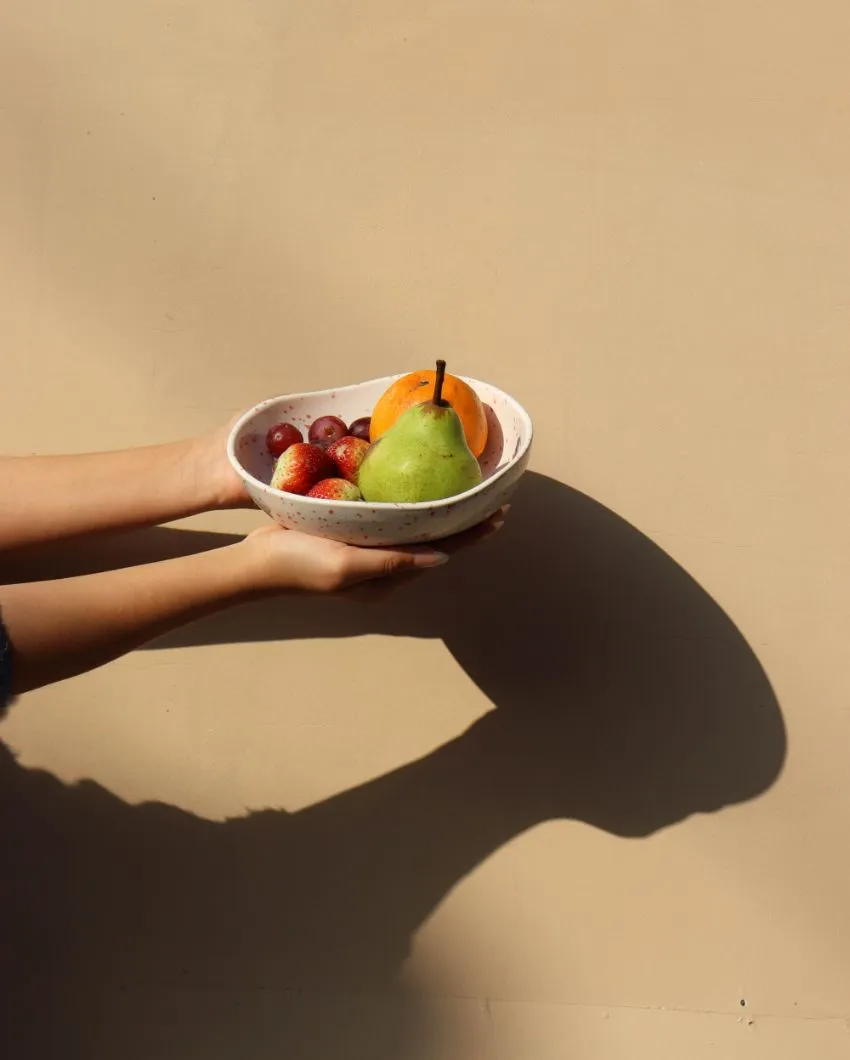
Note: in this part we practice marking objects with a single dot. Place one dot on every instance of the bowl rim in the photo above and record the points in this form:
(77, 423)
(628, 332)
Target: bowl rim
(320, 502)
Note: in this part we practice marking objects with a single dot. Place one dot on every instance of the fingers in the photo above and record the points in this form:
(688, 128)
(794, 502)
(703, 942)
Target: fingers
(364, 564)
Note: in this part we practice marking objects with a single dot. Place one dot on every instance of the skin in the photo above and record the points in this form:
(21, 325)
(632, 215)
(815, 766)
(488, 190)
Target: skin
(47, 499)
(61, 628)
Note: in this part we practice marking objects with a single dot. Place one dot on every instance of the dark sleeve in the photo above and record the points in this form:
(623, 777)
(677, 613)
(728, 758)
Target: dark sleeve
(5, 668)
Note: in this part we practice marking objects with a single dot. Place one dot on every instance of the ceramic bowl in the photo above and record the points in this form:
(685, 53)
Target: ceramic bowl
(358, 522)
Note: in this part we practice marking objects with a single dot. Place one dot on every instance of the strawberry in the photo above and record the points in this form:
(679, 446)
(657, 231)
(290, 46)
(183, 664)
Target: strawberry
(300, 467)
(347, 454)
(335, 489)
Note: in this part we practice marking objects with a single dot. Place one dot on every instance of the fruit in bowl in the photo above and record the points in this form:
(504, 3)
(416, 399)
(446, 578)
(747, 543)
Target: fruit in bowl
(361, 428)
(415, 388)
(423, 456)
(326, 430)
(402, 459)
(335, 489)
(280, 437)
(300, 467)
(348, 453)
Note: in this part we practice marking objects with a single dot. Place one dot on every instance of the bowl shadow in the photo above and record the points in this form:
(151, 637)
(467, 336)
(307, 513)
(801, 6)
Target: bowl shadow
(622, 696)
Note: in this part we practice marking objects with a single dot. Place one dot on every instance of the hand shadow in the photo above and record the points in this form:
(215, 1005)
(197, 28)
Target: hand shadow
(623, 696)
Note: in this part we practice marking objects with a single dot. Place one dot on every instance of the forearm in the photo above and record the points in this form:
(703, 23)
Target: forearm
(48, 498)
(62, 628)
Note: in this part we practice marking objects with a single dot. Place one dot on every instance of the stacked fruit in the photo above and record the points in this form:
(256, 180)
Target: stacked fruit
(421, 443)
(324, 466)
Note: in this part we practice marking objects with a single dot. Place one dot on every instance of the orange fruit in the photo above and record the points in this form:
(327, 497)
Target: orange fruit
(416, 387)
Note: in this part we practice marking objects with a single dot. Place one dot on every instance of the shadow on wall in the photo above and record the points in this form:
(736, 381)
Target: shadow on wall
(624, 697)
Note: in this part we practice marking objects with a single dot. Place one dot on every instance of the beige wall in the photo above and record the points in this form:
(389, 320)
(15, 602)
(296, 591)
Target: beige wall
(633, 216)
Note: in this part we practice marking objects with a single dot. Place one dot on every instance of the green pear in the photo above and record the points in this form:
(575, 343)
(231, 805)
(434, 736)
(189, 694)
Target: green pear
(422, 457)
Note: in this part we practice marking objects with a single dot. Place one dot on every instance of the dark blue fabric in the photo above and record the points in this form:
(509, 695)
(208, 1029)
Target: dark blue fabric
(5, 668)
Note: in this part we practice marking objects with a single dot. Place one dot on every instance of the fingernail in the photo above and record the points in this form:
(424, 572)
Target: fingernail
(430, 559)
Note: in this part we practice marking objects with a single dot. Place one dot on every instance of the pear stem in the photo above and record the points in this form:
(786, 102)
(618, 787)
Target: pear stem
(438, 383)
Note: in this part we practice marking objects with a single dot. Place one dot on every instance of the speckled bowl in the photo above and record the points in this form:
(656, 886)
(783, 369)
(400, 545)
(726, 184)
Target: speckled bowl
(360, 523)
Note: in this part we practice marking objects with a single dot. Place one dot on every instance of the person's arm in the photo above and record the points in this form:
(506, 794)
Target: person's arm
(46, 498)
(62, 628)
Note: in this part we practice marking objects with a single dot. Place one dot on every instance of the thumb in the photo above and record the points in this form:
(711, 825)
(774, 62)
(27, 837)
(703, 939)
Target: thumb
(369, 563)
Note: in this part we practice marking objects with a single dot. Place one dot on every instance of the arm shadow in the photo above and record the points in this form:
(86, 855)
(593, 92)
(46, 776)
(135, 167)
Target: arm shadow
(623, 693)
(622, 696)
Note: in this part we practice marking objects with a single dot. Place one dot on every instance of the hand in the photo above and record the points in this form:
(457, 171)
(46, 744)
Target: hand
(223, 487)
(287, 560)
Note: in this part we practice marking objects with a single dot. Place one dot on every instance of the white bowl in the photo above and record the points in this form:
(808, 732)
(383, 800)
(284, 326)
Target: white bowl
(358, 522)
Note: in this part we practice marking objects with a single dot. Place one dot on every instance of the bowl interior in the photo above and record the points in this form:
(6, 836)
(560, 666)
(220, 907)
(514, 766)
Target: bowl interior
(507, 426)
